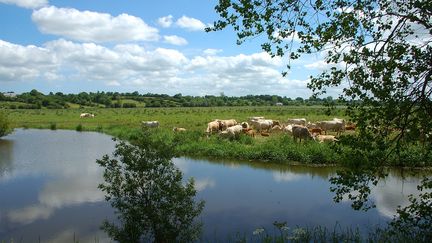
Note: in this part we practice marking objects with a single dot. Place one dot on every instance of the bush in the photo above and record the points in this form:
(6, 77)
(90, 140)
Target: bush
(53, 126)
(4, 124)
(79, 128)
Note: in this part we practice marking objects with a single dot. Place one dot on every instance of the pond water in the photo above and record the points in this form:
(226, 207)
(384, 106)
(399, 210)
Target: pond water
(49, 179)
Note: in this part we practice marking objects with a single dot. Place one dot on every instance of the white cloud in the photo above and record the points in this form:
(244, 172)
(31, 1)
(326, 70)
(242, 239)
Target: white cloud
(160, 70)
(190, 24)
(24, 62)
(211, 52)
(27, 3)
(92, 26)
(175, 40)
(165, 21)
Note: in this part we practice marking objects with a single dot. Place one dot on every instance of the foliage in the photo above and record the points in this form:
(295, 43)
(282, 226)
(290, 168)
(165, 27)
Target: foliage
(36, 100)
(379, 52)
(4, 124)
(147, 191)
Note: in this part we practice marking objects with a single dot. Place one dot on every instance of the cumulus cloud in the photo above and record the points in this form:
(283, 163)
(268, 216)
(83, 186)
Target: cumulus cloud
(25, 62)
(211, 52)
(27, 3)
(92, 26)
(165, 21)
(190, 24)
(175, 40)
(159, 70)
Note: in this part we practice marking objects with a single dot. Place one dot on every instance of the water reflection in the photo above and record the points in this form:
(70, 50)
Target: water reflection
(48, 189)
(6, 153)
(51, 173)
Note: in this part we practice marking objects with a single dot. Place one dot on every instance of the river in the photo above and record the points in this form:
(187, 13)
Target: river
(49, 191)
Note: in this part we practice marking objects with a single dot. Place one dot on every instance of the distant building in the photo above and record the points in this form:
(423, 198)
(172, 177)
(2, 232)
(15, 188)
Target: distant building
(9, 94)
(279, 104)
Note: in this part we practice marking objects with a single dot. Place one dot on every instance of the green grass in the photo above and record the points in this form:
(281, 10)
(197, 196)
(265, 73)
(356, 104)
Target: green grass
(125, 124)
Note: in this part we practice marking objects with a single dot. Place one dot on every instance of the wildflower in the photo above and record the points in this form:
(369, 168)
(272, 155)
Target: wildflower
(258, 231)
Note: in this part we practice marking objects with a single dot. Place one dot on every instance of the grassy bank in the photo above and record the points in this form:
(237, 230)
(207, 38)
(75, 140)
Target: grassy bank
(280, 148)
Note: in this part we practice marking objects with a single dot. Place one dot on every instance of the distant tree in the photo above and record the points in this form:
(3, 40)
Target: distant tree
(151, 200)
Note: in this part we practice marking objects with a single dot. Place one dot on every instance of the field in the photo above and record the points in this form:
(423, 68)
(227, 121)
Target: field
(125, 124)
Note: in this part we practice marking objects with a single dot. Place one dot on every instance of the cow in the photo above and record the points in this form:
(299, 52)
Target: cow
(315, 130)
(288, 129)
(266, 125)
(301, 132)
(245, 125)
(276, 128)
(235, 131)
(87, 115)
(325, 138)
(179, 129)
(213, 126)
(297, 121)
(335, 125)
(265, 134)
(250, 132)
(227, 123)
(232, 132)
(150, 124)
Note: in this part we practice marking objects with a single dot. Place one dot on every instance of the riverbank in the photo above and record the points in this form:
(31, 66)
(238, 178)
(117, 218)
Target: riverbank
(278, 148)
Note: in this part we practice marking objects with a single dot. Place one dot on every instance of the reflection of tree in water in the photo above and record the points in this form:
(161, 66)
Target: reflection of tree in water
(6, 150)
(146, 189)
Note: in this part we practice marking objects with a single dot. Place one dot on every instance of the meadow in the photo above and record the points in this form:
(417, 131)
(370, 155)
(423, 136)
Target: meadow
(126, 124)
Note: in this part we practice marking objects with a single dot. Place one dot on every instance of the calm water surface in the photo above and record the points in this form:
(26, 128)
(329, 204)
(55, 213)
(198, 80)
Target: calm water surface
(49, 179)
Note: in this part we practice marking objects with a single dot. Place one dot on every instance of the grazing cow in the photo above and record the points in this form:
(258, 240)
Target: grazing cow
(297, 121)
(288, 129)
(276, 128)
(232, 132)
(245, 125)
(266, 125)
(301, 132)
(265, 134)
(256, 118)
(334, 125)
(250, 132)
(325, 138)
(235, 131)
(350, 127)
(311, 125)
(86, 115)
(213, 126)
(179, 129)
(315, 130)
(227, 123)
(150, 124)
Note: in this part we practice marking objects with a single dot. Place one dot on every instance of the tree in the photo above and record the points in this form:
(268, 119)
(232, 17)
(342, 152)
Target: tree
(147, 191)
(378, 52)
(4, 124)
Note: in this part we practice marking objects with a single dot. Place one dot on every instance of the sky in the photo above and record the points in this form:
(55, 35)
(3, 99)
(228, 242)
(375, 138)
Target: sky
(159, 47)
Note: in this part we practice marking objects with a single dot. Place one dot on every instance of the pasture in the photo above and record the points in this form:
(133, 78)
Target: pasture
(278, 147)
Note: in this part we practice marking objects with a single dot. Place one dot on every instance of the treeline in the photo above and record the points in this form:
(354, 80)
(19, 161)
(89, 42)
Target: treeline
(37, 100)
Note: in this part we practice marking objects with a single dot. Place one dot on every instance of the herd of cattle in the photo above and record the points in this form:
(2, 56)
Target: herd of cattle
(299, 128)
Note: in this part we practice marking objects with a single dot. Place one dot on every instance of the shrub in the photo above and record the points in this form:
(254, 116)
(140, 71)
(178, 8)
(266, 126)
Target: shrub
(79, 128)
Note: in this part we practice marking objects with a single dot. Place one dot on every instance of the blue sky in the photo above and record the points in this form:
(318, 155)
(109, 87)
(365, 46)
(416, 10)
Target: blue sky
(130, 45)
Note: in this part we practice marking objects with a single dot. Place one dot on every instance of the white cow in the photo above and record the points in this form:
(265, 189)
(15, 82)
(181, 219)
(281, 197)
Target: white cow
(86, 115)
(325, 138)
(232, 132)
(297, 121)
(335, 125)
(150, 124)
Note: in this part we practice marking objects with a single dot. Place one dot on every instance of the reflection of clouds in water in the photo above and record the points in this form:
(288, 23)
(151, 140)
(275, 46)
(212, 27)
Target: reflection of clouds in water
(393, 191)
(182, 164)
(283, 176)
(202, 184)
(30, 214)
(66, 161)
(58, 194)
